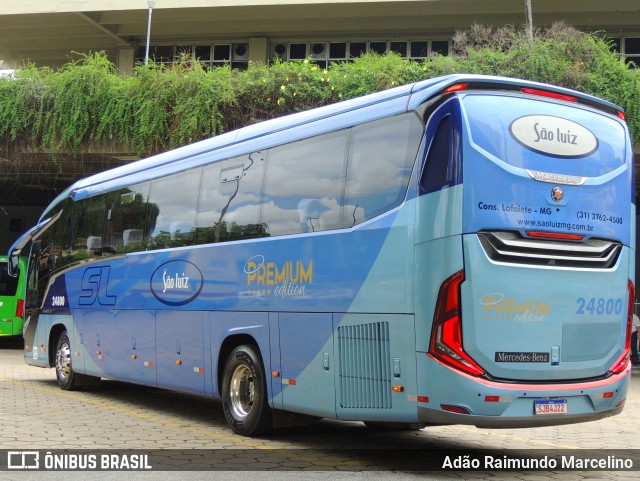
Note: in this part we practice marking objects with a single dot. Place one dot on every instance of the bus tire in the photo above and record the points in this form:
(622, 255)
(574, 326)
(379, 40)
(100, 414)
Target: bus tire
(64, 371)
(244, 393)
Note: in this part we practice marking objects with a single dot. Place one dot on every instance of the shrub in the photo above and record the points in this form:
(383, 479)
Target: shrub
(86, 106)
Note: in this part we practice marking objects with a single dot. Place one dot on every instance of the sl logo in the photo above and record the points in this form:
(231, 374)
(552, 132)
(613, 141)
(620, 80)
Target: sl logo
(95, 283)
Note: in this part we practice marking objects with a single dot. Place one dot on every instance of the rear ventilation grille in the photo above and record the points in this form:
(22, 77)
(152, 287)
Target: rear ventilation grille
(511, 247)
(365, 370)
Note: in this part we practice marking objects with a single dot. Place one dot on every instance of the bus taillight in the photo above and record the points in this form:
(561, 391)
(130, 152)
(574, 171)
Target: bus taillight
(555, 235)
(455, 88)
(621, 363)
(547, 93)
(446, 335)
(20, 308)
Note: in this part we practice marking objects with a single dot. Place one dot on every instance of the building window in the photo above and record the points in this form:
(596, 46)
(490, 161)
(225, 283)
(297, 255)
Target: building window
(632, 51)
(419, 49)
(215, 55)
(356, 49)
(378, 47)
(628, 48)
(203, 53)
(398, 47)
(440, 47)
(338, 50)
(323, 53)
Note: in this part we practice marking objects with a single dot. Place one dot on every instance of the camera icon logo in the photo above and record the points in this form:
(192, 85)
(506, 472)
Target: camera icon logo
(23, 460)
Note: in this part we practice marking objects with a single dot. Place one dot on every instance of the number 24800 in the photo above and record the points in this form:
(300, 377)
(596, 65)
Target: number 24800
(599, 306)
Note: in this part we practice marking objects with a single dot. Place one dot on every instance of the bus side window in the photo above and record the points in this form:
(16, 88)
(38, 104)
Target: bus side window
(41, 267)
(229, 201)
(89, 216)
(299, 174)
(171, 223)
(126, 217)
(443, 163)
(381, 157)
(435, 172)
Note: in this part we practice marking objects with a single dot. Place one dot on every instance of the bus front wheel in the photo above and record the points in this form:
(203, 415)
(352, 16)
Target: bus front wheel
(244, 393)
(64, 371)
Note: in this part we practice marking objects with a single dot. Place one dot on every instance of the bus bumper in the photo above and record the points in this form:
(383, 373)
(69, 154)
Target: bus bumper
(11, 326)
(453, 397)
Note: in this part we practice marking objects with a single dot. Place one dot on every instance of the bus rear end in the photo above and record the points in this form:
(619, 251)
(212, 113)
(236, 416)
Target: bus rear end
(530, 321)
(11, 300)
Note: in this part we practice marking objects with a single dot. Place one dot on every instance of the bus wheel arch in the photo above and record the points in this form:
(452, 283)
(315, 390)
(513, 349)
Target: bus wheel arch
(243, 389)
(54, 336)
(60, 358)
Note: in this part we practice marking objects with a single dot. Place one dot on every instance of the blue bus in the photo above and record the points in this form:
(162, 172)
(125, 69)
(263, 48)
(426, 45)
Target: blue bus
(455, 251)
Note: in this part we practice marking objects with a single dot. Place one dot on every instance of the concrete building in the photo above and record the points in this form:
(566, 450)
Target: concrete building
(47, 32)
(236, 32)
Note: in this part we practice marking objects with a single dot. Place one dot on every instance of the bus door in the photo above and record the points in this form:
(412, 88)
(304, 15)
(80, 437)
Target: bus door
(548, 221)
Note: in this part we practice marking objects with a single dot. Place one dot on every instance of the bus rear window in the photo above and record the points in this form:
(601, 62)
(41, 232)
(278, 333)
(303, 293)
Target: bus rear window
(8, 284)
(549, 127)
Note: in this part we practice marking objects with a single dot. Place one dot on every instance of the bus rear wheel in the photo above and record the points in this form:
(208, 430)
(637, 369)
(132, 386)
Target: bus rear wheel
(244, 393)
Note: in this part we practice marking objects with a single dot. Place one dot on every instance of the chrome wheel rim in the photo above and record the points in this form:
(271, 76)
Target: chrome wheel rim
(242, 392)
(63, 361)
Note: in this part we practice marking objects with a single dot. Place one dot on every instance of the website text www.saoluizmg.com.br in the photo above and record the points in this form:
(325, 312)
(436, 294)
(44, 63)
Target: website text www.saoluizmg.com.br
(552, 224)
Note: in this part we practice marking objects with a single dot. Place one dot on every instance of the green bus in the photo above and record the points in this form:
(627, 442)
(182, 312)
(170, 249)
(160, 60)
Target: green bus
(12, 294)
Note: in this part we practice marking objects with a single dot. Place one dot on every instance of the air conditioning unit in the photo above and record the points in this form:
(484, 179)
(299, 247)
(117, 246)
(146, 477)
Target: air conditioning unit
(318, 51)
(279, 50)
(240, 52)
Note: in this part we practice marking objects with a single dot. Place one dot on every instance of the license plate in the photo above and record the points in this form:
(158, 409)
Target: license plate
(550, 406)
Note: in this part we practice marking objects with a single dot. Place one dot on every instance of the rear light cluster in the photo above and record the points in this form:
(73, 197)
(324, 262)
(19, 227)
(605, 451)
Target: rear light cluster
(546, 93)
(531, 91)
(555, 236)
(446, 336)
(20, 308)
(622, 362)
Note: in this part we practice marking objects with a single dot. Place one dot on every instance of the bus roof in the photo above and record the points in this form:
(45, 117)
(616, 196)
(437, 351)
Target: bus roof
(294, 127)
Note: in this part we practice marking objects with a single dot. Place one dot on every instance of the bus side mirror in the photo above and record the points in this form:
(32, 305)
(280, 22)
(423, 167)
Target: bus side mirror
(14, 257)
